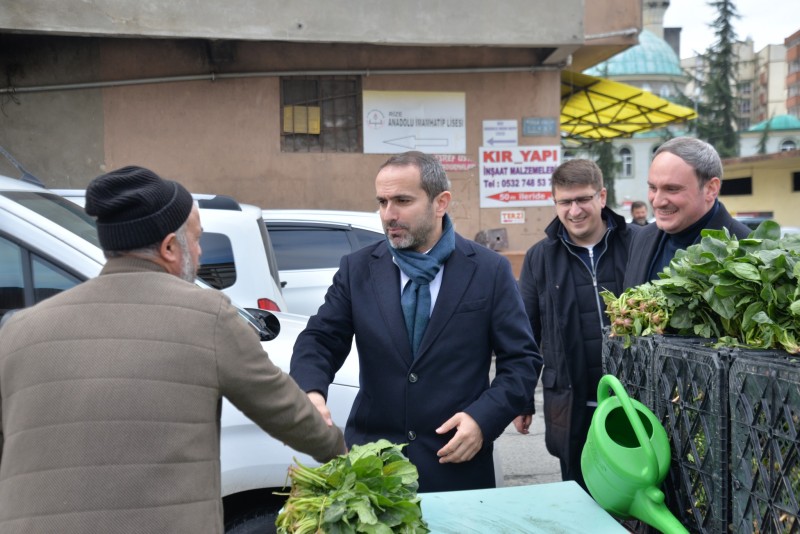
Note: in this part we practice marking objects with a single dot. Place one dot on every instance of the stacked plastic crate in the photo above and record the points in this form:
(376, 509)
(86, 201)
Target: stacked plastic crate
(733, 420)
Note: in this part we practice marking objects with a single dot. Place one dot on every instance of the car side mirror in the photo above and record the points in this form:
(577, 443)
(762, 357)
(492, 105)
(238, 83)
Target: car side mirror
(270, 325)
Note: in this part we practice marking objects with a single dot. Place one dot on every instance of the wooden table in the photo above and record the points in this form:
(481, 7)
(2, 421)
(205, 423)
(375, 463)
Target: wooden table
(559, 507)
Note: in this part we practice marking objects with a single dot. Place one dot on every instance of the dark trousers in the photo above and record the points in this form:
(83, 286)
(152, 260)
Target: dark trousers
(571, 470)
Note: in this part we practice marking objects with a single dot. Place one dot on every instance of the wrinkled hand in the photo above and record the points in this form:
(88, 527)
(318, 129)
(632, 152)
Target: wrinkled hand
(522, 423)
(318, 401)
(466, 443)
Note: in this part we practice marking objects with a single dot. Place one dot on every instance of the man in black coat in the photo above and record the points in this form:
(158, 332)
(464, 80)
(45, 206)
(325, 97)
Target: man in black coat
(585, 251)
(430, 311)
(683, 184)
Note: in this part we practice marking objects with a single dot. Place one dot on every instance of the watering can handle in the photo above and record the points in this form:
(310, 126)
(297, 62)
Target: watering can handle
(610, 381)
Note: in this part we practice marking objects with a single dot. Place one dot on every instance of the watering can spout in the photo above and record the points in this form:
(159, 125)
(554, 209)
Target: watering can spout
(648, 506)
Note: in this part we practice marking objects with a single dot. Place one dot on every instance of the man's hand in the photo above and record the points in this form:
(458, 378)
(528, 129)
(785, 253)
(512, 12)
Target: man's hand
(522, 423)
(466, 443)
(318, 401)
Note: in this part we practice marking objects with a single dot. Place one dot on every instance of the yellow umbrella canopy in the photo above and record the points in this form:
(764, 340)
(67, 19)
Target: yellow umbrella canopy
(595, 108)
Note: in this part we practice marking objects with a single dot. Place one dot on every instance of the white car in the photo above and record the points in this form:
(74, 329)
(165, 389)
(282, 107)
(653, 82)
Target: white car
(237, 254)
(310, 243)
(48, 244)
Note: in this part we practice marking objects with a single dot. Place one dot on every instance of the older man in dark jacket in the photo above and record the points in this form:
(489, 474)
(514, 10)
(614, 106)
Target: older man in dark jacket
(585, 251)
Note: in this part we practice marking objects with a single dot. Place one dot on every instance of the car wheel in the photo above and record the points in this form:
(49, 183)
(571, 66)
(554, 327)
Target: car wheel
(256, 522)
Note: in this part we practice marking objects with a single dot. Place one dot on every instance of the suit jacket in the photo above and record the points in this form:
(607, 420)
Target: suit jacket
(645, 243)
(478, 312)
(111, 399)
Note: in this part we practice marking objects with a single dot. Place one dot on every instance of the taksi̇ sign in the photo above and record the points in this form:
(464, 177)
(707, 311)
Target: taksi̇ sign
(517, 176)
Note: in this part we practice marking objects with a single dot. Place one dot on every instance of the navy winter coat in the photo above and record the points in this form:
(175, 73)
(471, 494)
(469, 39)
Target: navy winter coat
(478, 313)
(567, 315)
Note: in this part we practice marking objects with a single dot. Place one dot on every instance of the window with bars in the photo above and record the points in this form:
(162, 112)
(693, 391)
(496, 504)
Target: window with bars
(321, 114)
(626, 161)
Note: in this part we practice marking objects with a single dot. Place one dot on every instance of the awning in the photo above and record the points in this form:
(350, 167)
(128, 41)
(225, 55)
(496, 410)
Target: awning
(595, 108)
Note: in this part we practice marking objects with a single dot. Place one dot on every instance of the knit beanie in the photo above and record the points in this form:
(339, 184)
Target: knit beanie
(135, 208)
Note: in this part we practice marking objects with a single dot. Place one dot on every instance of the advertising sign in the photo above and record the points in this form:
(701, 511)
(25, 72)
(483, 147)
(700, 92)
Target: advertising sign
(456, 162)
(517, 176)
(398, 121)
(512, 217)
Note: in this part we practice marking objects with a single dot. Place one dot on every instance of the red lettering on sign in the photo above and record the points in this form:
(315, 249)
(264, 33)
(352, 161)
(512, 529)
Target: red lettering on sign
(511, 196)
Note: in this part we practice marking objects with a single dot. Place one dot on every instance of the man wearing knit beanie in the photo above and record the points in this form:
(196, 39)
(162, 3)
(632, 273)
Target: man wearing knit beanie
(136, 210)
(112, 389)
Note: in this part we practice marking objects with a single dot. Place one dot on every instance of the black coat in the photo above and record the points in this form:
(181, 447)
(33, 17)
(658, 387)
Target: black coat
(558, 290)
(478, 313)
(644, 245)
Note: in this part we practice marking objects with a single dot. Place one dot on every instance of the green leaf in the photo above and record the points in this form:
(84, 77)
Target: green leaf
(403, 469)
(767, 230)
(762, 318)
(377, 528)
(745, 271)
(334, 512)
(362, 507)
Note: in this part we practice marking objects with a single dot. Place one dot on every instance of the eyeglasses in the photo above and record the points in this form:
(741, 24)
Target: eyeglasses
(580, 201)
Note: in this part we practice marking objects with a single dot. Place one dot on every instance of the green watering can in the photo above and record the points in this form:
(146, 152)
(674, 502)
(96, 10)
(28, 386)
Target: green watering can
(626, 458)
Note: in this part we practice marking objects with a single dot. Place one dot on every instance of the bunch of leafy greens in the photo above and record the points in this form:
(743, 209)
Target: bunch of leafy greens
(640, 311)
(744, 293)
(372, 489)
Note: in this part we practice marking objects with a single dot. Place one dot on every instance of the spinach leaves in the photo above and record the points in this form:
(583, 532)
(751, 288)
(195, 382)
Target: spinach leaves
(372, 489)
(744, 292)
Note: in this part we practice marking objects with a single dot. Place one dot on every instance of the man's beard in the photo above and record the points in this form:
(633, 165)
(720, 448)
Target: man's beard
(188, 268)
(414, 238)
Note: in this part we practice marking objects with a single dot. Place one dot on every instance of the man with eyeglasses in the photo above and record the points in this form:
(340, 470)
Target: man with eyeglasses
(585, 251)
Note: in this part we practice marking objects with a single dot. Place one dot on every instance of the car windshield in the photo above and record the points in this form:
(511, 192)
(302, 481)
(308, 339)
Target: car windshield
(58, 210)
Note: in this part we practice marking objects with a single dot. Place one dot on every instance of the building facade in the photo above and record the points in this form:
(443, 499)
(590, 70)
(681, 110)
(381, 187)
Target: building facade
(792, 44)
(767, 185)
(264, 100)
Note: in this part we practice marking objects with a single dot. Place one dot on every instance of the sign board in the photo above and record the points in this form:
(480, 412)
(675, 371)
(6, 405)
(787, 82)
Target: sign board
(500, 133)
(512, 217)
(398, 121)
(539, 126)
(517, 176)
(456, 162)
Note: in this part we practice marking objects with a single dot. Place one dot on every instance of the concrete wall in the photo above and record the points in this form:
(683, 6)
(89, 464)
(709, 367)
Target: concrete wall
(91, 86)
(223, 136)
(444, 22)
(56, 135)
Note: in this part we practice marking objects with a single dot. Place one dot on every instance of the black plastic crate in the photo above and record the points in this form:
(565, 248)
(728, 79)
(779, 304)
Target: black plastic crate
(765, 442)
(633, 366)
(691, 401)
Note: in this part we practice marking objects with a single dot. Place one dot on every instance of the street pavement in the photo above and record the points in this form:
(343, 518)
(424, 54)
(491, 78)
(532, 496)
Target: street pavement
(524, 458)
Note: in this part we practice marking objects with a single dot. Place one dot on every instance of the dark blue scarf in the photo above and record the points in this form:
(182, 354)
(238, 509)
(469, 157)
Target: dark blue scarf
(422, 269)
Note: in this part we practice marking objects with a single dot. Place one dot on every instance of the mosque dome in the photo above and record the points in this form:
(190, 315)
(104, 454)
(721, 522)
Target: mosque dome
(781, 122)
(652, 56)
